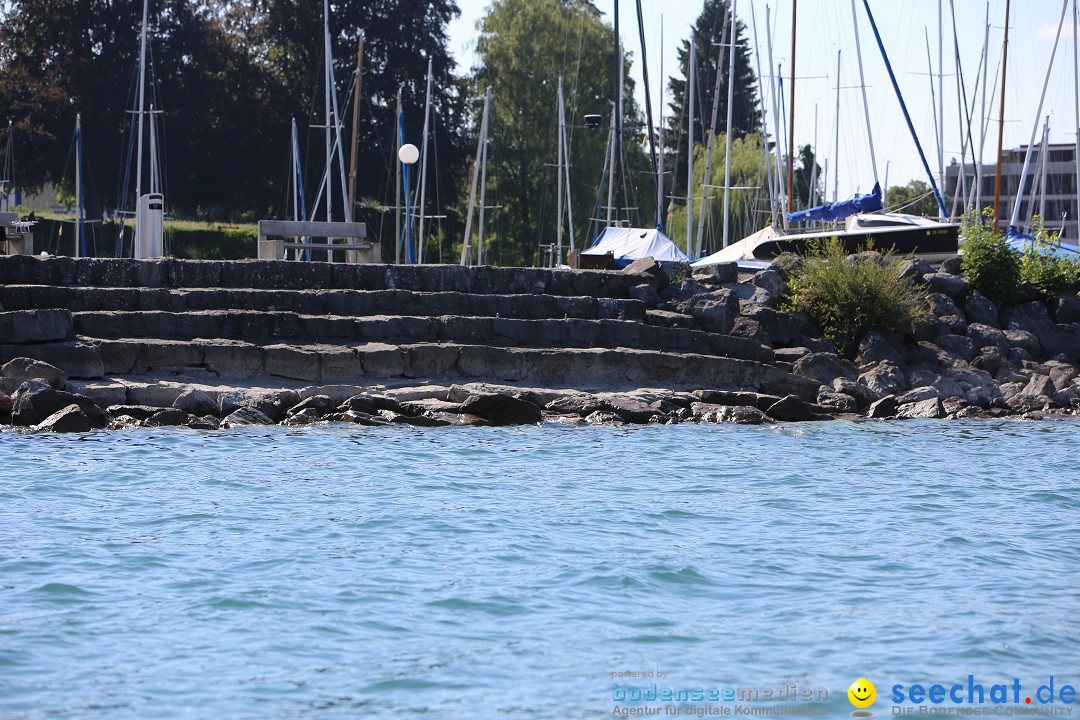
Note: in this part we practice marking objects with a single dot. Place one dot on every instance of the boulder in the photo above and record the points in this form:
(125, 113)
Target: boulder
(1039, 386)
(862, 394)
(918, 394)
(713, 311)
(574, 404)
(734, 397)
(789, 354)
(36, 400)
(1024, 340)
(169, 417)
(991, 359)
(196, 402)
(738, 414)
(958, 346)
(206, 422)
(943, 308)
(1066, 308)
(601, 417)
(139, 412)
(1061, 339)
(946, 284)
(786, 264)
(930, 408)
(985, 335)
(645, 293)
(320, 404)
(358, 418)
(307, 416)
(980, 309)
(783, 328)
(246, 416)
(502, 409)
(792, 409)
(271, 403)
(1030, 316)
(650, 267)
(883, 379)
(823, 367)
(70, 418)
(22, 369)
(684, 290)
(417, 420)
(838, 402)
(953, 265)
(79, 359)
(883, 408)
(717, 273)
(369, 404)
(752, 329)
(629, 408)
(770, 281)
(875, 347)
(914, 269)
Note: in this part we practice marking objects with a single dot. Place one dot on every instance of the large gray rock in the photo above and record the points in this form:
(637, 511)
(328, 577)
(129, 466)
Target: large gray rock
(6, 405)
(770, 282)
(862, 394)
(714, 311)
(752, 329)
(645, 293)
(70, 418)
(272, 403)
(196, 402)
(839, 402)
(945, 283)
(169, 417)
(1061, 339)
(36, 326)
(684, 290)
(914, 269)
(1026, 341)
(884, 379)
(1066, 308)
(502, 409)
(883, 408)
(319, 404)
(738, 414)
(792, 409)
(875, 347)
(953, 265)
(22, 369)
(959, 346)
(629, 408)
(369, 404)
(783, 328)
(35, 401)
(717, 274)
(650, 267)
(245, 416)
(1031, 316)
(931, 408)
(945, 309)
(980, 309)
(984, 335)
(823, 367)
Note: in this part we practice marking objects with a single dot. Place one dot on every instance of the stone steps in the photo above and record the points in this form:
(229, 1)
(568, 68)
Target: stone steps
(289, 275)
(257, 326)
(319, 302)
(364, 362)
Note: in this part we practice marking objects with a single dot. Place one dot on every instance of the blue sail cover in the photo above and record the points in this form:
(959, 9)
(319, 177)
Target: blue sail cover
(840, 210)
(1022, 243)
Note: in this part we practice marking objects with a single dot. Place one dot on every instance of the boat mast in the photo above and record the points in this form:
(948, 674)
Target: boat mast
(933, 100)
(566, 173)
(836, 151)
(941, 99)
(1076, 110)
(80, 238)
(397, 184)
(483, 183)
(328, 63)
(710, 140)
(1044, 160)
(778, 128)
(1001, 119)
(142, 101)
(732, 36)
(618, 78)
(660, 205)
(690, 154)
(424, 166)
(1046, 82)
(475, 177)
(764, 124)
(356, 123)
(611, 166)
(982, 112)
(791, 122)
(862, 85)
(559, 172)
(657, 168)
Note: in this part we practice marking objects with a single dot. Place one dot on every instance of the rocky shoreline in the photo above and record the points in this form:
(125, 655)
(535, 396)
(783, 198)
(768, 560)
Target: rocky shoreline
(88, 344)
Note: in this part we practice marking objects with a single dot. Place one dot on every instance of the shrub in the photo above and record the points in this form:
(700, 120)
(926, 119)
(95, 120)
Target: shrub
(1049, 274)
(989, 264)
(846, 296)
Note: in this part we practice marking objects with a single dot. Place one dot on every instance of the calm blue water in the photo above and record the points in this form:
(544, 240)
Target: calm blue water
(477, 572)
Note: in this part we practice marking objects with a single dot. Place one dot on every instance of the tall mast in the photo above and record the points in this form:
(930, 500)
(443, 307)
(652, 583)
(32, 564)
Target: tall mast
(397, 184)
(142, 100)
(710, 139)
(1038, 113)
(566, 174)
(475, 176)
(777, 126)
(1001, 118)
(941, 99)
(559, 171)
(618, 114)
(791, 122)
(862, 84)
(327, 120)
(155, 175)
(483, 182)
(660, 205)
(1044, 160)
(764, 124)
(657, 169)
(733, 36)
(611, 167)
(424, 166)
(933, 99)
(1076, 110)
(355, 122)
(836, 150)
(982, 112)
(690, 154)
(80, 239)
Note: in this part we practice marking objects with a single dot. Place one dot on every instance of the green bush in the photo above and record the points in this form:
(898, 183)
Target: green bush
(1050, 275)
(989, 264)
(845, 296)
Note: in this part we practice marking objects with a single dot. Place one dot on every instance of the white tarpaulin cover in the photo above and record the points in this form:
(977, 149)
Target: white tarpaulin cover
(635, 243)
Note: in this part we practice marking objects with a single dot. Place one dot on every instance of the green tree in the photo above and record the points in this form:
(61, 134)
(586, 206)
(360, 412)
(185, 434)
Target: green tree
(915, 198)
(707, 35)
(522, 48)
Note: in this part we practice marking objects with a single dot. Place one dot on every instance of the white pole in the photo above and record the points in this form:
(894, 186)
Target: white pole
(78, 185)
(710, 140)
(941, 98)
(690, 155)
(423, 167)
(937, 130)
(764, 124)
(732, 37)
(1044, 160)
(142, 100)
(660, 155)
(154, 175)
(483, 185)
(1076, 111)
(982, 113)
(1038, 113)
(566, 173)
(836, 151)
(813, 171)
(862, 84)
(776, 117)
(475, 177)
(328, 62)
(559, 171)
(611, 168)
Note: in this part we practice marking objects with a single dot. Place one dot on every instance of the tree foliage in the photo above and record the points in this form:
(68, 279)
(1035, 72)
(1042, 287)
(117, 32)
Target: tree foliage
(989, 264)
(915, 198)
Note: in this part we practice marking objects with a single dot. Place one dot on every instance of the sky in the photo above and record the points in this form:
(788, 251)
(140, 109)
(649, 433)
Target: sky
(825, 27)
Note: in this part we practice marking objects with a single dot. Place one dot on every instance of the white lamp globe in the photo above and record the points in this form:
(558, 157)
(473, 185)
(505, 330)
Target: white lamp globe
(408, 154)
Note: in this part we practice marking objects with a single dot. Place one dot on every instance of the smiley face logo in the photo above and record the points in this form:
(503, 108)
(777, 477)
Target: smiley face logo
(862, 693)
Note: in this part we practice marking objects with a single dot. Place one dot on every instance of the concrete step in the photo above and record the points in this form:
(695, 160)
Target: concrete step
(290, 275)
(319, 302)
(365, 362)
(255, 326)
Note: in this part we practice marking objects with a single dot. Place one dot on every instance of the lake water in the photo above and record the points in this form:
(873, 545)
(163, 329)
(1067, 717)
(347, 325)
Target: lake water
(508, 572)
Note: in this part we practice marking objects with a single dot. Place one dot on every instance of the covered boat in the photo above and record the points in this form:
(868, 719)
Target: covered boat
(626, 245)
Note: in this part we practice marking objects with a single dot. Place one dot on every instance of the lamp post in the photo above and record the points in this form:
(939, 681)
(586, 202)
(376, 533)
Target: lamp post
(408, 155)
